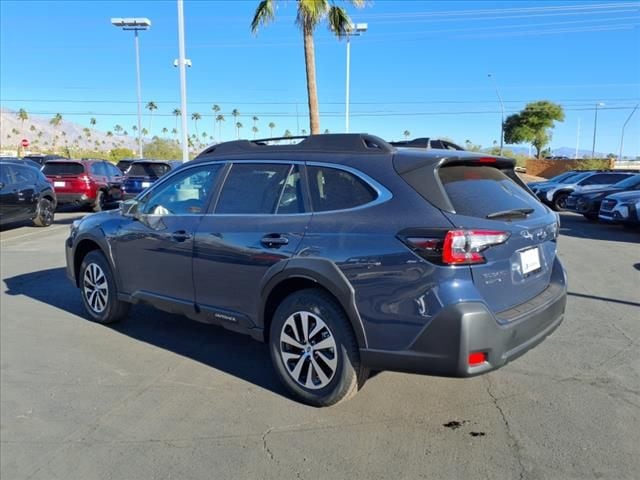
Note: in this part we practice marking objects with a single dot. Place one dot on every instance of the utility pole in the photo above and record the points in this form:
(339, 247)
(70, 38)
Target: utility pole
(575, 157)
(183, 82)
(502, 111)
(595, 126)
(625, 126)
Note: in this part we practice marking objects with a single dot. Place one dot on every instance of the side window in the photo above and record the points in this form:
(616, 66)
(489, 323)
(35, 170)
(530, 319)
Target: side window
(291, 198)
(255, 188)
(112, 170)
(334, 189)
(97, 169)
(6, 175)
(186, 193)
(23, 174)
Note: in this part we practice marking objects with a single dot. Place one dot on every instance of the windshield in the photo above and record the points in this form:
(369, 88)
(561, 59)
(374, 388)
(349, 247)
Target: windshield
(574, 177)
(562, 176)
(630, 182)
(148, 169)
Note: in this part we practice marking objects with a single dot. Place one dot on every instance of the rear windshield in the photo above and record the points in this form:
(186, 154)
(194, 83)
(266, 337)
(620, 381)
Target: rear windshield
(480, 191)
(631, 182)
(148, 169)
(63, 168)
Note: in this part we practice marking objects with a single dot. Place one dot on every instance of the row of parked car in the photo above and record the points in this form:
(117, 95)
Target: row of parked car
(607, 196)
(33, 187)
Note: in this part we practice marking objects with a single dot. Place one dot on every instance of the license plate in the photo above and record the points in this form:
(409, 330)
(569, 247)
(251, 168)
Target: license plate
(59, 184)
(530, 260)
(146, 184)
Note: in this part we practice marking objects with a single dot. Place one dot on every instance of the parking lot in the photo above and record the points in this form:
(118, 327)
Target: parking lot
(159, 396)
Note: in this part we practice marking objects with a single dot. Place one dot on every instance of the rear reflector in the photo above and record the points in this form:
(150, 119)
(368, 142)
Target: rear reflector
(476, 358)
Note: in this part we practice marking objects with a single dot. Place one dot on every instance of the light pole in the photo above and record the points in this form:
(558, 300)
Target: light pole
(354, 30)
(595, 126)
(135, 24)
(625, 126)
(182, 64)
(502, 110)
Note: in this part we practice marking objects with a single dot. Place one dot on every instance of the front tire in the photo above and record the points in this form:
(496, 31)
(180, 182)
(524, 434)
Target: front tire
(314, 350)
(98, 290)
(45, 213)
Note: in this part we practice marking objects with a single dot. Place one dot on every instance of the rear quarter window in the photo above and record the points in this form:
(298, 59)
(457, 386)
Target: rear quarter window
(334, 189)
(479, 191)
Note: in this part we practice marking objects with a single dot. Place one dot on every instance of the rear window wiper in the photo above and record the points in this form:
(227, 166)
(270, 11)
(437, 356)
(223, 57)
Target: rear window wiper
(516, 212)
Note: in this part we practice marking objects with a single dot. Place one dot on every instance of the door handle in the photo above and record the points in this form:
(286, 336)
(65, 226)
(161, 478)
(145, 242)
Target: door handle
(274, 241)
(180, 236)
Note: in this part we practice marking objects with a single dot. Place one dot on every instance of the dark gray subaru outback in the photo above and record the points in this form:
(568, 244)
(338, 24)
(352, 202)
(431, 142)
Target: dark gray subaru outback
(343, 252)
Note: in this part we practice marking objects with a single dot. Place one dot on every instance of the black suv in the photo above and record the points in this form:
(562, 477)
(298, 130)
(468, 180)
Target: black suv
(25, 194)
(343, 252)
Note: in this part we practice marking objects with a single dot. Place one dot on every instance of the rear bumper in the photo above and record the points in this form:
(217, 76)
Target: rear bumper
(76, 198)
(444, 345)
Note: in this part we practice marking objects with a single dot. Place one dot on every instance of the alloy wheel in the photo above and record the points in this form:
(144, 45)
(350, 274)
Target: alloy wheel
(95, 288)
(308, 350)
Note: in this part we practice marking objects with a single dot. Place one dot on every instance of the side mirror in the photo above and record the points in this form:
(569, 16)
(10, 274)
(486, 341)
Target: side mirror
(130, 208)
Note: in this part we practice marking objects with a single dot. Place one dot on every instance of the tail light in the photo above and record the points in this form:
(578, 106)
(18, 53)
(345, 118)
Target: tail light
(456, 247)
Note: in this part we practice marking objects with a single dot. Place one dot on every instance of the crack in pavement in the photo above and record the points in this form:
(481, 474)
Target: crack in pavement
(515, 445)
(265, 447)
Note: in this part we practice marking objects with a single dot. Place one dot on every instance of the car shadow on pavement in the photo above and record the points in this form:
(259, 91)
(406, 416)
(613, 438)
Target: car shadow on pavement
(573, 225)
(234, 354)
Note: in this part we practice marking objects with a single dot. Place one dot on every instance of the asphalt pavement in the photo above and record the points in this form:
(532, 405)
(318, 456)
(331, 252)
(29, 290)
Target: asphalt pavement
(160, 396)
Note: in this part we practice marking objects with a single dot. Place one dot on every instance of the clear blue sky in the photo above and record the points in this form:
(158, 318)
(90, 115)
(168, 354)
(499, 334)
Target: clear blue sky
(422, 66)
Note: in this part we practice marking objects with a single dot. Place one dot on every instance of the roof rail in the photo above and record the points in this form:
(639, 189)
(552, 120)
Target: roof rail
(329, 142)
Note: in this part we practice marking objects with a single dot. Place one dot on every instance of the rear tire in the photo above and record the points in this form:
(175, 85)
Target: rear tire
(314, 350)
(45, 213)
(99, 203)
(560, 202)
(98, 290)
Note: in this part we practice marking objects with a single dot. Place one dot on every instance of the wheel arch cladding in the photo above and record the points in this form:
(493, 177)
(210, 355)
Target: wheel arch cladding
(305, 273)
(82, 249)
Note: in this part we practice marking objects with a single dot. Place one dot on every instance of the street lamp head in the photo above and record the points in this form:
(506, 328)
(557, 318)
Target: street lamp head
(139, 23)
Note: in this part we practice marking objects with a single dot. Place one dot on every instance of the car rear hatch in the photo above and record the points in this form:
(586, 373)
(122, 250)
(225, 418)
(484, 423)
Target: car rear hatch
(141, 175)
(67, 177)
(500, 231)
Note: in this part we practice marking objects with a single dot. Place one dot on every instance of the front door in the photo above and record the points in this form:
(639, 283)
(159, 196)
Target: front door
(154, 252)
(259, 221)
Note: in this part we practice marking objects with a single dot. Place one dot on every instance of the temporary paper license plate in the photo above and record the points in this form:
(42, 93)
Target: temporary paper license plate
(530, 260)
(58, 184)
(146, 184)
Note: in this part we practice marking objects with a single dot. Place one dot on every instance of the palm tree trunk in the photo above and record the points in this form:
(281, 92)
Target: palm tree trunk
(312, 89)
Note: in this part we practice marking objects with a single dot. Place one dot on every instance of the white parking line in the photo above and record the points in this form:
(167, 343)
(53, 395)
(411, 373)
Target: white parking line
(30, 234)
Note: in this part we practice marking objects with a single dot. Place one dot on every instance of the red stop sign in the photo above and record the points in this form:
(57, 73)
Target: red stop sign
(24, 143)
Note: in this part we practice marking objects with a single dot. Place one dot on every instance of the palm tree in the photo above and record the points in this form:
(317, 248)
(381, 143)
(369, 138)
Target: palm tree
(238, 127)
(23, 116)
(177, 113)
(174, 132)
(134, 128)
(109, 133)
(151, 106)
(92, 122)
(254, 129)
(204, 136)
(326, 131)
(303, 132)
(219, 120)
(235, 113)
(255, 121)
(144, 132)
(310, 14)
(165, 130)
(195, 116)
(117, 129)
(407, 134)
(56, 121)
(216, 110)
(32, 128)
(271, 127)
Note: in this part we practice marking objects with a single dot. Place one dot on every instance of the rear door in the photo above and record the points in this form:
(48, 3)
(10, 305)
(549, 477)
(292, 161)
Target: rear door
(484, 198)
(259, 220)
(25, 179)
(8, 194)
